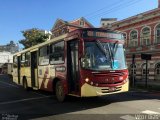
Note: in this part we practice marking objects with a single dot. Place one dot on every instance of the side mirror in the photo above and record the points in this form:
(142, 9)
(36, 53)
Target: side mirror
(86, 62)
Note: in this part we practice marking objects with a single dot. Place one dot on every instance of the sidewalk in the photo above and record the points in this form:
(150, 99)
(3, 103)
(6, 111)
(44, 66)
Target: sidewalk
(148, 93)
(151, 86)
(5, 76)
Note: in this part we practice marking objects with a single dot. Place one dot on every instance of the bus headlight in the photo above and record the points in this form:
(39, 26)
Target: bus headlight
(91, 83)
(87, 79)
(125, 80)
(121, 78)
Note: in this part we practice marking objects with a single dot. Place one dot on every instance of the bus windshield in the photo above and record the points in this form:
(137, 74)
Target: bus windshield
(103, 56)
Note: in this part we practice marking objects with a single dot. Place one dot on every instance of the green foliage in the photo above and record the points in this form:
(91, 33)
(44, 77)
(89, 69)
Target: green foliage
(33, 37)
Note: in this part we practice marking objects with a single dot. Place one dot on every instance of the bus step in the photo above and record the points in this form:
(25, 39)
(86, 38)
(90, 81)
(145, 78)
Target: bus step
(35, 88)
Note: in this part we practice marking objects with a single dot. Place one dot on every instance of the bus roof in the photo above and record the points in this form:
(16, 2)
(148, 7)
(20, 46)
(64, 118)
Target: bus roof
(62, 37)
(41, 44)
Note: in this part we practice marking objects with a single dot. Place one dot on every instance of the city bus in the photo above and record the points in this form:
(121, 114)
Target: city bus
(84, 63)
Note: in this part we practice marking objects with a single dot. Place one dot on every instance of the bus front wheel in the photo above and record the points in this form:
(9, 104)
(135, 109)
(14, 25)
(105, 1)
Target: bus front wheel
(60, 95)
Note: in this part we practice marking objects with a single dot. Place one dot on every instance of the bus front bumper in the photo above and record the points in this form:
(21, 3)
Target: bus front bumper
(89, 91)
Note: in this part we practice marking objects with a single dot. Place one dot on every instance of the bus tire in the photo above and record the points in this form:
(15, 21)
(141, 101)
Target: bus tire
(60, 95)
(25, 85)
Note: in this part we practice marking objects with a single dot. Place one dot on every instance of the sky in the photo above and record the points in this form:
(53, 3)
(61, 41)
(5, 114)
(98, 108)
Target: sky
(20, 15)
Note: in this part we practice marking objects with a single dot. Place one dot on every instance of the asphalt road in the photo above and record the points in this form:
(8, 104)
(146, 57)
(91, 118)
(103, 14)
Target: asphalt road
(16, 103)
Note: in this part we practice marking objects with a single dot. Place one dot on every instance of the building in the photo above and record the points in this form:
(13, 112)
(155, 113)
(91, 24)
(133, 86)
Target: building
(6, 60)
(107, 22)
(61, 27)
(11, 47)
(6, 57)
(142, 35)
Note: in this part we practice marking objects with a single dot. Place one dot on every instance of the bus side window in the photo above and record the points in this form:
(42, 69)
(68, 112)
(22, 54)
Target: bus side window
(44, 55)
(57, 53)
(28, 59)
(15, 62)
(23, 60)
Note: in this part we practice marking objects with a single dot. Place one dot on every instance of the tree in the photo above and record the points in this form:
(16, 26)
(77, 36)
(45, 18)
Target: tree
(33, 37)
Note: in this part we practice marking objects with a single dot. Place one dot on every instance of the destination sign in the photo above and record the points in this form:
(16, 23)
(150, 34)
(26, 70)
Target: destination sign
(102, 34)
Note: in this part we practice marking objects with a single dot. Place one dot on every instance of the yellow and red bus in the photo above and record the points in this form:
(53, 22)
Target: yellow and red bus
(85, 62)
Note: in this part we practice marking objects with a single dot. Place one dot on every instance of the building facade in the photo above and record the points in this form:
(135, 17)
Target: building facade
(6, 60)
(61, 27)
(142, 35)
(6, 57)
(107, 22)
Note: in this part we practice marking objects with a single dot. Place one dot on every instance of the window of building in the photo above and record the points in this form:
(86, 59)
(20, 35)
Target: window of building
(57, 53)
(132, 69)
(125, 38)
(81, 23)
(144, 71)
(124, 35)
(133, 39)
(145, 36)
(157, 30)
(157, 71)
(44, 55)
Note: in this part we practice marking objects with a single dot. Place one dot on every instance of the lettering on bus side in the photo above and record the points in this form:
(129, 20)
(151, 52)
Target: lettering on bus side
(60, 69)
(103, 34)
(40, 71)
(52, 67)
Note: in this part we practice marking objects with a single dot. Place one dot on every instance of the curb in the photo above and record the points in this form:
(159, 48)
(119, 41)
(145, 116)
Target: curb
(144, 90)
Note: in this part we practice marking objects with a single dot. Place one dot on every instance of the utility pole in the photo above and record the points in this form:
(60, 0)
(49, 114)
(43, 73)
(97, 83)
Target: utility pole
(133, 69)
(146, 81)
(146, 57)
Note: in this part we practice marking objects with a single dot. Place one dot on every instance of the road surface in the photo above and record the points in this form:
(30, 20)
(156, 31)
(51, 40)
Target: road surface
(16, 103)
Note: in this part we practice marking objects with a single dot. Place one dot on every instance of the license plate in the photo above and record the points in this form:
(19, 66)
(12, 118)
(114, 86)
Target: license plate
(112, 89)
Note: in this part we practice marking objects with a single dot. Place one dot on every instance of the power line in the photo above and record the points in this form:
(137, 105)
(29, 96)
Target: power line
(115, 8)
(108, 6)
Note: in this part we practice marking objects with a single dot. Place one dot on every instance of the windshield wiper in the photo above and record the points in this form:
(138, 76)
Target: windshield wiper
(110, 55)
(113, 51)
(115, 47)
(103, 49)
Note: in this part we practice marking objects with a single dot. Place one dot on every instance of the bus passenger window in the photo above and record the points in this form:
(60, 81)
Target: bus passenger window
(23, 60)
(27, 61)
(15, 61)
(57, 53)
(44, 55)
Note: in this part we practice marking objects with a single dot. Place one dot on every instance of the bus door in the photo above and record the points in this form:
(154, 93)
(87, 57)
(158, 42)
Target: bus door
(72, 66)
(34, 68)
(19, 68)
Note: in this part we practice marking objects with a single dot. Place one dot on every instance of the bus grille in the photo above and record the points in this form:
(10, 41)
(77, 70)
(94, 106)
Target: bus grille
(117, 74)
(108, 90)
(112, 82)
